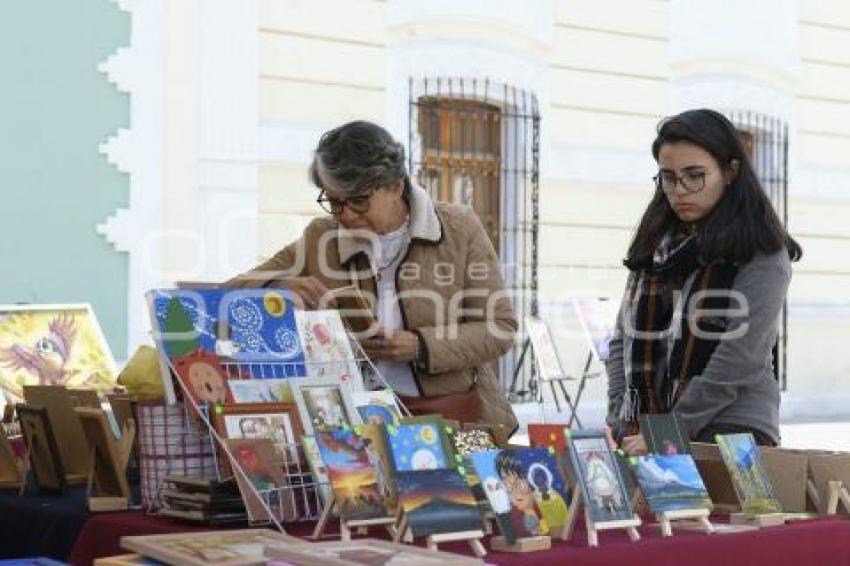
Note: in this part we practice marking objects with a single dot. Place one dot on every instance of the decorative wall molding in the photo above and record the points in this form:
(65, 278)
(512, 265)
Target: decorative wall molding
(136, 69)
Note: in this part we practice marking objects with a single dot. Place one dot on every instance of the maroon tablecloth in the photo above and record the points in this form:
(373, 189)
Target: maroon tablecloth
(820, 541)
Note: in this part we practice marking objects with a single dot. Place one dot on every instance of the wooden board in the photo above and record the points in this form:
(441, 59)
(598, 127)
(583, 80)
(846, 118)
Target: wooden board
(66, 429)
(788, 471)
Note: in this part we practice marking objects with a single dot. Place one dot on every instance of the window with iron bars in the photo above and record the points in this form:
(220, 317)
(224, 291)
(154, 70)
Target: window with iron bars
(476, 142)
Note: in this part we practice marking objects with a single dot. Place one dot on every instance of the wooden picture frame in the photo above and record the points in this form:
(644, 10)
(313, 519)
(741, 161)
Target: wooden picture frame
(281, 422)
(354, 553)
(42, 451)
(108, 467)
(224, 548)
(66, 429)
(311, 396)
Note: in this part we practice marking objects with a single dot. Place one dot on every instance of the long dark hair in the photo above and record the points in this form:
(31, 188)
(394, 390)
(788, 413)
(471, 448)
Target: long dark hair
(743, 222)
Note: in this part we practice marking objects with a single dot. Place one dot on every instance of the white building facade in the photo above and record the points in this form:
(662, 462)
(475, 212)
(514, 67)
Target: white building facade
(228, 98)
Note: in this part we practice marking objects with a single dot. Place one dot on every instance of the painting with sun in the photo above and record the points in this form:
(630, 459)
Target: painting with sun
(438, 501)
(353, 478)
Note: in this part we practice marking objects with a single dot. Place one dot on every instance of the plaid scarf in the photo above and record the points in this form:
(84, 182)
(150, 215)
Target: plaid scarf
(656, 373)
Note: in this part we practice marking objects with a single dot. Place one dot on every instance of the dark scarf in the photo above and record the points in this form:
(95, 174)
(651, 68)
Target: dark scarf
(651, 306)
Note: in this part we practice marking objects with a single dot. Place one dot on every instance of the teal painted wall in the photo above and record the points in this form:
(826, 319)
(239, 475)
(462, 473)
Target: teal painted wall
(55, 109)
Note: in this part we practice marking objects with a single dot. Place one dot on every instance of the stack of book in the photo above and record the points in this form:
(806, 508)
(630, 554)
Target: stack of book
(202, 500)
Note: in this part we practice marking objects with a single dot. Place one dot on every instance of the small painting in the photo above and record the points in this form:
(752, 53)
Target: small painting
(438, 501)
(670, 483)
(377, 407)
(605, 493)
(352, 475)
(417, 446)
(749, 477)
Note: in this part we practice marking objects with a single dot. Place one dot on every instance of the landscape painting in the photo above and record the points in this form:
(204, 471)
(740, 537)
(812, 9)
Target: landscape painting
(353, 479)
(438, 501)
(670, 482)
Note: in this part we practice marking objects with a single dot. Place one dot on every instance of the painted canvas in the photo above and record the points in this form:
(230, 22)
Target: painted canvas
(274, 390)
(670, 482)
(261, 477)
(327, 348)
(376, 449)
(52, 345)
(202, 378)
(604, 491)
(437, 501)
(553, 437)
(278, 422)
(749, 477)
(417, 446)
(546, 435)
(664, 434)
(251, 325)
(497, 495)
(318, 469)
(324, 403)
(535, 489)
(353, 478)
(377, 407)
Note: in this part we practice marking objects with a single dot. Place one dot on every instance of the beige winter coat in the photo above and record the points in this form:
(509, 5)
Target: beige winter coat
(450, 289)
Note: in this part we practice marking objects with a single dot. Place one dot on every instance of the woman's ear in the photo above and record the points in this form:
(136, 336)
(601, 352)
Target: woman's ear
(731, 172)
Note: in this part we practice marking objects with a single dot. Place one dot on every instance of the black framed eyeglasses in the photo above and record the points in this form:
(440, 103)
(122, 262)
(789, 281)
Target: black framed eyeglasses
(691, 181)
(359, 204)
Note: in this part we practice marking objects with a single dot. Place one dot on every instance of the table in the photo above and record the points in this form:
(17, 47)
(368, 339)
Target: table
(819, 541)
(38, 524)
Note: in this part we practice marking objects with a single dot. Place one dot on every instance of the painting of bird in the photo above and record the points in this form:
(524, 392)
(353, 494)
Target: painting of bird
(47, 358)
(53, 346)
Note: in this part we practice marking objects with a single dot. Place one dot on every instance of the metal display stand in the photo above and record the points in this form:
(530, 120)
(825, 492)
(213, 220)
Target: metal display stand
(302, 491)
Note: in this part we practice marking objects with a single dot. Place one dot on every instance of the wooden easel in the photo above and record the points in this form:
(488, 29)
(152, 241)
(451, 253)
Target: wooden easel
(695, 517)
(403, 532)
(759, 520)
(346, 526)
(593, 528)
(101, 503)
(524, 544)
(837, 493)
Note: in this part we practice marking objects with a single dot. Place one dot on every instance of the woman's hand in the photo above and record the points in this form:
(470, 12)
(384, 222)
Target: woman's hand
(312, 292)
(634, 445)
(391, 345)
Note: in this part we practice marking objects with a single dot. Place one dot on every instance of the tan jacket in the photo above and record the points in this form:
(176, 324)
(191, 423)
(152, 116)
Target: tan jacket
(450, 289)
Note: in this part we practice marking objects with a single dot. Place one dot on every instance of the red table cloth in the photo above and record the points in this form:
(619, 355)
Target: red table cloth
(819, 541)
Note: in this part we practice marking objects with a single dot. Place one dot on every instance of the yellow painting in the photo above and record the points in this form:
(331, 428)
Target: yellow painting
(52, 345)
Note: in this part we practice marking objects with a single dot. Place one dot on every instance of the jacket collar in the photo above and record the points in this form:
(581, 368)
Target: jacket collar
(424, 226)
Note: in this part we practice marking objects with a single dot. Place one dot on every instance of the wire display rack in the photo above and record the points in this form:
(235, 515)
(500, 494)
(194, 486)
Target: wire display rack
(303, 495)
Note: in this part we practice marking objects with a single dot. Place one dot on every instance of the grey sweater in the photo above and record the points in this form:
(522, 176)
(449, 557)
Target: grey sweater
(738, 386)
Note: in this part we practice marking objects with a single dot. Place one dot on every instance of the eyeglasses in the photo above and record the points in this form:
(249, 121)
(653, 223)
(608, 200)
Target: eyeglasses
(359, 204)
(691, 181)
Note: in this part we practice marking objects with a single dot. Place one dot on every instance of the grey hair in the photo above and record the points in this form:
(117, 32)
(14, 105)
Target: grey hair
(356, 157)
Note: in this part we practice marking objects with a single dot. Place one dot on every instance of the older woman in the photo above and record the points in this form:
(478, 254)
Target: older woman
(429, 267)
